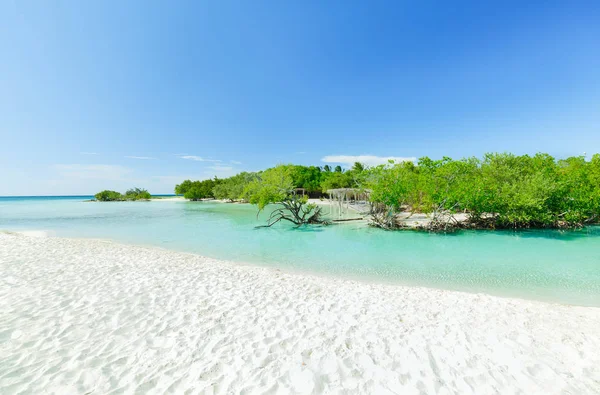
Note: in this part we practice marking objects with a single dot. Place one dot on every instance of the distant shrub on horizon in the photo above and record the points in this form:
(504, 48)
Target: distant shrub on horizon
(108, 196)
(137, 194)
(131, 195)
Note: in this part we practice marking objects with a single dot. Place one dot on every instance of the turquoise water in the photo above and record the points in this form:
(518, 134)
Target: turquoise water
(545, 265)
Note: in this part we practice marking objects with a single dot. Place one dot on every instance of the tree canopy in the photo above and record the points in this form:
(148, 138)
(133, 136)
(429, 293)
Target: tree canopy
(130, 195)
(232, 188)
(276, 186)
(500, 190)
(197, 190)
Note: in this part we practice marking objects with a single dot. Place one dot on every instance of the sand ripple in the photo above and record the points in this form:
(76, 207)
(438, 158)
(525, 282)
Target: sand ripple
(86, 316)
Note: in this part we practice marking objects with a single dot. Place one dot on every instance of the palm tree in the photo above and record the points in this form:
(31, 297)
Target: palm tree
(358, 167)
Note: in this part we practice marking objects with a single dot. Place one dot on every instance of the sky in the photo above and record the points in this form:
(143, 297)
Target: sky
(114, 94)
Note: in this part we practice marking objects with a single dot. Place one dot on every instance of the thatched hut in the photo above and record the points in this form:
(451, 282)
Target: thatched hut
(339, 196)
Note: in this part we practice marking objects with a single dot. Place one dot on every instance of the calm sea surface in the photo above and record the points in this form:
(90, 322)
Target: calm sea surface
(545, 265)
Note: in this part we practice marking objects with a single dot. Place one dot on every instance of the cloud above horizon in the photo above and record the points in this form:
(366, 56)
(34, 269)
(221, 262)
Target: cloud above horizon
(369, 160)
(197, 158)
(139, 157)
(88, 153)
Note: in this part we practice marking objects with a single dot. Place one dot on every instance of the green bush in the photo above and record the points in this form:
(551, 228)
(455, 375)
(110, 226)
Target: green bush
(137, 194)
(108, 196)
(501, 190)
(232, 188)
(131, 194)
(197, 190)
(498, 190)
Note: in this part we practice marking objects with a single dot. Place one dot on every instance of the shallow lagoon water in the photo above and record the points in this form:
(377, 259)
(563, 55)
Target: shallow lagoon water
(545, 265)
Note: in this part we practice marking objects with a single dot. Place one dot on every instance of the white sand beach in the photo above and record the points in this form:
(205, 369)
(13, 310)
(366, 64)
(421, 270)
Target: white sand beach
(89, 316)
(169, 199)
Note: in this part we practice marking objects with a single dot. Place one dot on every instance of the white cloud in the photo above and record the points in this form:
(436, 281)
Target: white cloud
(235, 162)
(88, 153)
(369, 160)
(140, 157)
(197, 158)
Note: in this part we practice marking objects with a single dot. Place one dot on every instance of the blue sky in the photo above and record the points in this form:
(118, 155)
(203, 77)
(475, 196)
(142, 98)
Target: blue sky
(113, 94)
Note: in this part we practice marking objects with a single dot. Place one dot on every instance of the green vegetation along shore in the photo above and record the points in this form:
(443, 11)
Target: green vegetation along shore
(130, 195)
(500, 190)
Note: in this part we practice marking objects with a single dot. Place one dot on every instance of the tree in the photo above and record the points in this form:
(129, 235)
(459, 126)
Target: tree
(197, 190)
(137, 194)
(232, 188)
(393, 188)
(358, 167)
(307, 177)
(521, 191)
(181, 189)
(108, 196)
(336, 180)
(131, 194)
(579, 198)
(500, 190)
(276, 186)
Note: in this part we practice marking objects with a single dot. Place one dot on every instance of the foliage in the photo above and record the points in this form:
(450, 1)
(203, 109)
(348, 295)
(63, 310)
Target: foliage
(336, 180)
(358, 167)
(353, 178)
(273, 186)
(137, 194)
(307, 177)
(497, 191)
(197, 190)
(501, 190)
(131, 194)
(181, 189)
(108, 196)
(276, 186)
(395, 186)
(232, 188)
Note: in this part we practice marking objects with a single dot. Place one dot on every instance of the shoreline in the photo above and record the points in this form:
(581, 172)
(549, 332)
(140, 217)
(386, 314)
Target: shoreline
(362, 279)
(150, 319)
(408, 221)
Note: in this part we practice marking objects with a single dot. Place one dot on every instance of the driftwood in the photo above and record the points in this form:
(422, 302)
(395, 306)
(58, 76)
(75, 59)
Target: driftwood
(384, 218)
(296, 211)
(347, 219)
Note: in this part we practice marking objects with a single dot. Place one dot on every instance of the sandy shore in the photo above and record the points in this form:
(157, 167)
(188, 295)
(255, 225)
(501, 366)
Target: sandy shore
(87, 316)
(169, 199)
